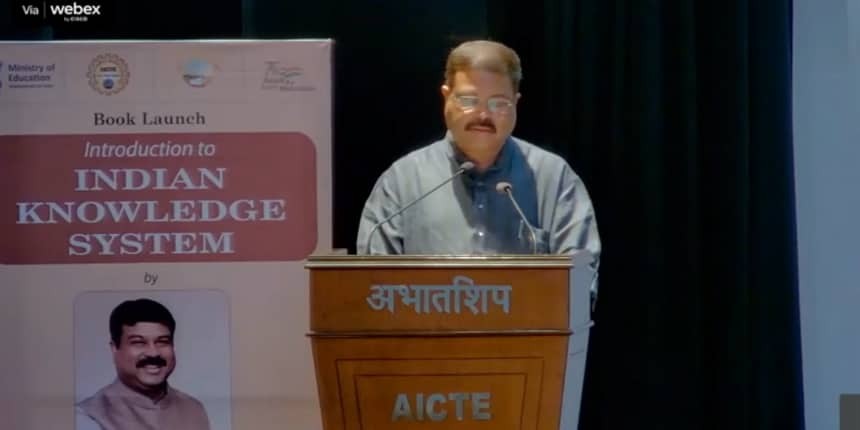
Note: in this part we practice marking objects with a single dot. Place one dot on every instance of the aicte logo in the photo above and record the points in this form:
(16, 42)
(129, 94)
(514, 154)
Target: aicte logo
(108, 74)
(198, 73)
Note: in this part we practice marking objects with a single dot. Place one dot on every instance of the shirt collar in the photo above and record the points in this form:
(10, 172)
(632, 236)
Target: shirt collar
(502, 162)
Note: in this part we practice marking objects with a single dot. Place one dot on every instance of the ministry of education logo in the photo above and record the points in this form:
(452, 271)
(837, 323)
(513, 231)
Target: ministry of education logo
(108, 74)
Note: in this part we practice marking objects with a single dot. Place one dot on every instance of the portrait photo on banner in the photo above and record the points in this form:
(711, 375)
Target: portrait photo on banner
(157, 358)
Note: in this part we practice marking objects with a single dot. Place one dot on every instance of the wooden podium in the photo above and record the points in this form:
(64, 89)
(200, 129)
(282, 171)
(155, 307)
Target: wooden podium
(440, 342)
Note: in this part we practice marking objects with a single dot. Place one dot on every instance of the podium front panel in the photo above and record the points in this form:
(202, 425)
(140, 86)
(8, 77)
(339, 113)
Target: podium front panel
(440, 343)
(450, 383)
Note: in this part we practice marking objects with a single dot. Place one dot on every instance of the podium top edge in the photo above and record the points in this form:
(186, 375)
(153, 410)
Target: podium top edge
(438, 261)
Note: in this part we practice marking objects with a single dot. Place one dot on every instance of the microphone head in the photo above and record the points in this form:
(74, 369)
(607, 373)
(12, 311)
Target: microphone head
(467, 165)
(503, 187)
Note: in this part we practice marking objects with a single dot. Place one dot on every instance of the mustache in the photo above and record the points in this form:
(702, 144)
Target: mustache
(486, 122)
(151, 361)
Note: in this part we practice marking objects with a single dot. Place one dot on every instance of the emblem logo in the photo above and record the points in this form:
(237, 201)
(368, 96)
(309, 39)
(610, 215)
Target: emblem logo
(108, 74)
(198, 73)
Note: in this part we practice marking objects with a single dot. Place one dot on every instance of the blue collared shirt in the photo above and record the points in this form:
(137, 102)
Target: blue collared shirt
(468, 216)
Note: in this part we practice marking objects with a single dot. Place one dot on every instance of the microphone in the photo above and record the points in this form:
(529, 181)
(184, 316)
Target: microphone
(507, 188)
(466, 166)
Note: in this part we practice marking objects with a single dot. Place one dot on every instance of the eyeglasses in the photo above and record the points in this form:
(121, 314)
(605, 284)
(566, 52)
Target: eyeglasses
(495, 105)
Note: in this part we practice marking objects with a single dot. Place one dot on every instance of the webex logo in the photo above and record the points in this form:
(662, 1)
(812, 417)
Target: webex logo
(74, 11)
(60, 12)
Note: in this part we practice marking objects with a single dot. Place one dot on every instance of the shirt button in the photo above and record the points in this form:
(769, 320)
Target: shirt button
(480, 205)
(480, 234)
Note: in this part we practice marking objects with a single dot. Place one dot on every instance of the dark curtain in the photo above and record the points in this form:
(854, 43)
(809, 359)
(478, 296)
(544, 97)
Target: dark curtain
(677, 115)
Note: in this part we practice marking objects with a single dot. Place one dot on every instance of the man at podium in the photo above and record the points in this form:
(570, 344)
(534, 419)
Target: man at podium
(479, 190)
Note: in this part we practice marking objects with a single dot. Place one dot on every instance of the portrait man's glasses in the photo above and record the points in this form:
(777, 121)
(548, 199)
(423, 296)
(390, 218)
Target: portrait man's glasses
(495, 105)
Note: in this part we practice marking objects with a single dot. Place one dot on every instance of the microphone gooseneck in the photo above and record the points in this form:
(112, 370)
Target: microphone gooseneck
(464, 167)
(507, 188)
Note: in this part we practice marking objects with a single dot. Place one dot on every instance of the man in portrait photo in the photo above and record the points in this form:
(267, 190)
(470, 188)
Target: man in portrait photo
(142, 336)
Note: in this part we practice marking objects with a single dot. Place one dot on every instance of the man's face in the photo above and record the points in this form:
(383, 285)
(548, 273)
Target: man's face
(144, 357)
(480, 110)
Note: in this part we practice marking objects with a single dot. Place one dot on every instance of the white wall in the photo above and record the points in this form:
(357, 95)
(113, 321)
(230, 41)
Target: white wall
(827, 163)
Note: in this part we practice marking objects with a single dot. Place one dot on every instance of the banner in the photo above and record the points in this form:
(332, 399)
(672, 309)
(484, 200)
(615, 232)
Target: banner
(158, 200)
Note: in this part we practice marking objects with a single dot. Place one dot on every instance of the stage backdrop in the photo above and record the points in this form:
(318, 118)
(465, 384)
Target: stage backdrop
(196, 174)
